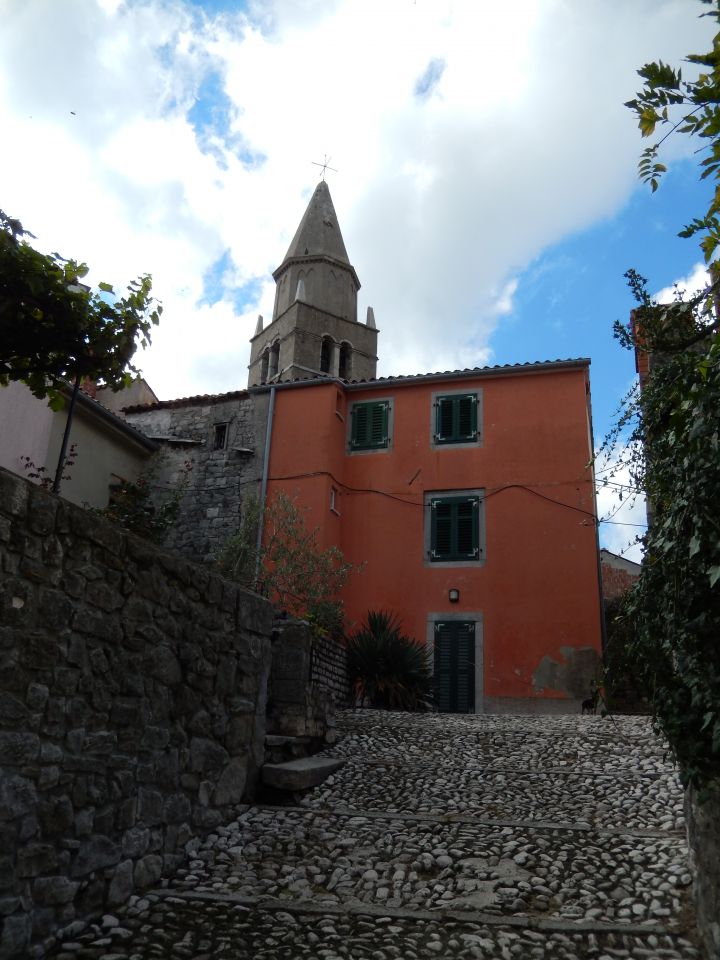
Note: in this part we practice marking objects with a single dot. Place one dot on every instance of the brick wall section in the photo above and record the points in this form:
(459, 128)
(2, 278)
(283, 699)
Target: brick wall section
(132, 711)
(328, 668)
(616, 582)
(220, 479)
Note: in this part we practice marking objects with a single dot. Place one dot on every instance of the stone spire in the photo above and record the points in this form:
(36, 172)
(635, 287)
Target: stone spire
(319, 232)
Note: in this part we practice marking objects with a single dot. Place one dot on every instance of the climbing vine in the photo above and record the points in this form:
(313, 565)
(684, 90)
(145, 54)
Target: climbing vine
(671, 432)
(674, 609)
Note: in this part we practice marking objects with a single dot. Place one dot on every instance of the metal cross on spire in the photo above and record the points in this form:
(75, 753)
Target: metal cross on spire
(325, 165)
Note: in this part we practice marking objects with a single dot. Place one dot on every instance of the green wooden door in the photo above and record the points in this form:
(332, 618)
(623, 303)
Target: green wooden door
(455, 666)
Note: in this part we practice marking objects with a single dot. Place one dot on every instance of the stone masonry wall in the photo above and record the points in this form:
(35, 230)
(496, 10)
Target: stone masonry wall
(328, 668)
(220, 480)
(132, 711)
(305, 683)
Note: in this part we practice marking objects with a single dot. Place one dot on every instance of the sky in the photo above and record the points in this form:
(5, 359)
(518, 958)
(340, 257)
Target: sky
(486, 170)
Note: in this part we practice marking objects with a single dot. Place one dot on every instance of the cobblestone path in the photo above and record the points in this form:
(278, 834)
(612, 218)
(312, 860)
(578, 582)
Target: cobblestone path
(442, 836)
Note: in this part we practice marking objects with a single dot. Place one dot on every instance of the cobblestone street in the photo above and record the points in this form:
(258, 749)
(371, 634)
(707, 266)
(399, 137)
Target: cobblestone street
(441, 836)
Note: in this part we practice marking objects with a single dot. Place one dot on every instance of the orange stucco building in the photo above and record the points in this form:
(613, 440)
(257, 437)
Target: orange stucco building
(468, 499)
(467, 496)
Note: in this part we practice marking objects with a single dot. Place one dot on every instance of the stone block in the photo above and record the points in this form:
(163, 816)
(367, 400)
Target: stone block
(135, 842)
(122, 884)
(231, 785)
(54, 891)
(56, 816)
(37, 696)
(101, 595)
(150, 806)
(16, 930)
(8, 905)
(54, 608)
(254, 613)
(163, 665)
(95, 854)
(206, 755)
(17, 795)
(177, 808)
(300, 774)
(35, 859)
(148, 870)
(12, 710)
(14, 494)
(18, 749)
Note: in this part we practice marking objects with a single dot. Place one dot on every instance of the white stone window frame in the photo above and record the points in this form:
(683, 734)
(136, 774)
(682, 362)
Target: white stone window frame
(465, 444)
(478, 492)
(371, 451)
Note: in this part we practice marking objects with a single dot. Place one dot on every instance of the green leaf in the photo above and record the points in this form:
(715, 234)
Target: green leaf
(106, 288)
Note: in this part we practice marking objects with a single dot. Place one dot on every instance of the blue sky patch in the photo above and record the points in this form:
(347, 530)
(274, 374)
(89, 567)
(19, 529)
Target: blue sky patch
(217, 286)
(429, 80)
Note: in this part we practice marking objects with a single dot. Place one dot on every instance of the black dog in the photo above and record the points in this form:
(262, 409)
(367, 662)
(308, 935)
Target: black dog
(590, 705)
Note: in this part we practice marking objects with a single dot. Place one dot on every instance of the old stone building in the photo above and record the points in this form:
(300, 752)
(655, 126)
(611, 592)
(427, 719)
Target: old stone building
(313, 333)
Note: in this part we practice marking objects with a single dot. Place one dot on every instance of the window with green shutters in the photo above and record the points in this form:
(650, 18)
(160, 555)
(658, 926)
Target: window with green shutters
(456, 418)
(454, 528)
(369, 425)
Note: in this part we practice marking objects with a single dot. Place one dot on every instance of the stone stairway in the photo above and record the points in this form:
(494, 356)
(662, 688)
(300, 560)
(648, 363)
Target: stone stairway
(440, 836)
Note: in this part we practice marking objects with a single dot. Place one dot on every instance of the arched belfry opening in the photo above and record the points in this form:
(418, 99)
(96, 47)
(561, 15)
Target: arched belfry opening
(327, 345)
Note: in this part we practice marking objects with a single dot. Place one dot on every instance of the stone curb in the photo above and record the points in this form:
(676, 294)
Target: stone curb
(473, 821)
(401, 913)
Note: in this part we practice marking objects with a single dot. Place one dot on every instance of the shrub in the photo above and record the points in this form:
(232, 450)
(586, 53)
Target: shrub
(387, 668)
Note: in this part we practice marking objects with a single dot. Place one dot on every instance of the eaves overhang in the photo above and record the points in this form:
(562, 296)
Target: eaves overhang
(474, 373)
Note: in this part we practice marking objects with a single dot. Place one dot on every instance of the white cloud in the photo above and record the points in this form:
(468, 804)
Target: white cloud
(693, 283)
(520, 139)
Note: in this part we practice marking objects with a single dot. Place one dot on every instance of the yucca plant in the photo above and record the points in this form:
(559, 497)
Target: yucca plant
(386, 668)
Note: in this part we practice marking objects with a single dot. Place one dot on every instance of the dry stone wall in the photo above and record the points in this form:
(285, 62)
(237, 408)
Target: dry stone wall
(133, 689)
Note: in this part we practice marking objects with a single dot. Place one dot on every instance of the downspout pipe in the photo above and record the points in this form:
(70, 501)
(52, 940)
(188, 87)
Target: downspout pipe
(263, 484)
(601, 593)
(66, 435)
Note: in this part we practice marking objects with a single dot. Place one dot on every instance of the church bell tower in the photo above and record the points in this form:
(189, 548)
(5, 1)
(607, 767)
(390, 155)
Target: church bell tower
(314, 330)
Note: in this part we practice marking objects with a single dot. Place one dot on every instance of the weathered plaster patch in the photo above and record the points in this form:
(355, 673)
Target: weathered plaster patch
(571, 675)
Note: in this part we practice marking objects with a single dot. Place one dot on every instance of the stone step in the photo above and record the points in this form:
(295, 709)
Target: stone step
(302, 774)
(603, 800)
(387, 863)
(217, 926)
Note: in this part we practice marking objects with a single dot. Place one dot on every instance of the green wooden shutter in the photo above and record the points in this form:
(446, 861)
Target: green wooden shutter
(444, 419)
(455, 666)
(466, 528)
(378, 435)
(441, 529)
(455, 528)
(369, 425)
(456, 418)
(359, 415)
(466, 410)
